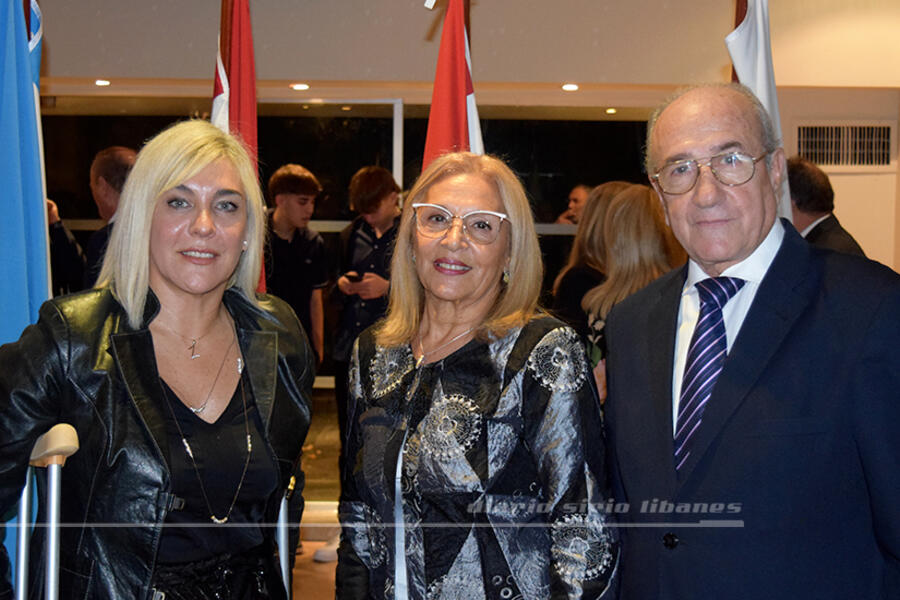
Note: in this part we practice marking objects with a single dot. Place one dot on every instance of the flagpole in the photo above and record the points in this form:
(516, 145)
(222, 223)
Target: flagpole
(466, 6)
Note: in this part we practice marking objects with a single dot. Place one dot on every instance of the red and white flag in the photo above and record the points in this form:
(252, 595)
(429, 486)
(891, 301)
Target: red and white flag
(751, 54)
(234, 93)
(453, 123)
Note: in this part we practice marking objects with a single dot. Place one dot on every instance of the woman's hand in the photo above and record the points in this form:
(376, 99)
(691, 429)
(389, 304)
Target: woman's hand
(372, 286)
(600, 378)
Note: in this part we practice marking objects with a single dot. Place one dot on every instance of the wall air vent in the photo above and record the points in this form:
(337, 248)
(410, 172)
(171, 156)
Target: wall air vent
(845, 145)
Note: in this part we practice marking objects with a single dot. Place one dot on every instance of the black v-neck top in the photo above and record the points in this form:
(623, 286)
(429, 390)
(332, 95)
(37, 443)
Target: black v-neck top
(219, 451)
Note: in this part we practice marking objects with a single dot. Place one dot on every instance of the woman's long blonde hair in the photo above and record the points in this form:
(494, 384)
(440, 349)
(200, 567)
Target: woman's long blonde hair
(166, 161)
(518, 299)
(589, 246)
(639, 248)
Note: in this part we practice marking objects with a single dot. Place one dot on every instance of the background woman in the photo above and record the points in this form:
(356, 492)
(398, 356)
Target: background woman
(189, 393)
(639, 247)
(585, 268)
(476, 429)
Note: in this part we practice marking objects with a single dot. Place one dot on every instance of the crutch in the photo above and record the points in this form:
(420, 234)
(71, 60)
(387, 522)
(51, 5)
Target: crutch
(51, 451)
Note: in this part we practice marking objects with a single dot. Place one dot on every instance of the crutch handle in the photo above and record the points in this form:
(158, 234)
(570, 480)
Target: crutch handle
(52, 448)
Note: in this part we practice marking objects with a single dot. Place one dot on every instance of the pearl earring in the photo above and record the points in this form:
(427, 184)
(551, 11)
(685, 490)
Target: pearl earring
(245, 244)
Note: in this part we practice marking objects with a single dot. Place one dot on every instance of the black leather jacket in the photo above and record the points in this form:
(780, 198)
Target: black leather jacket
(83, 364)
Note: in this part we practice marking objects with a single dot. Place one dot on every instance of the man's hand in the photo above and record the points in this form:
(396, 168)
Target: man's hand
(347, 283)
(372, 286)
(567, 217)
(52, 212)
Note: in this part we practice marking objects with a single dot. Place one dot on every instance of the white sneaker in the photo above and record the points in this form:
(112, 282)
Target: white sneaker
(328, 552)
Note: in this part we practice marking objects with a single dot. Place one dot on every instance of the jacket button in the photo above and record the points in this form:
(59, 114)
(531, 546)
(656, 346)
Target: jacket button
(670, 540)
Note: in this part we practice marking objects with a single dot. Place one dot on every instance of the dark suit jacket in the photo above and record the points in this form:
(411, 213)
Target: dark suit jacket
(830, 234)
(799, 444)
(96, 250)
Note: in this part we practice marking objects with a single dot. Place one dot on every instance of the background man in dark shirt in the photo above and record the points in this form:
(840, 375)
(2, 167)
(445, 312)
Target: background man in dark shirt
(296, 269)
(66, 256)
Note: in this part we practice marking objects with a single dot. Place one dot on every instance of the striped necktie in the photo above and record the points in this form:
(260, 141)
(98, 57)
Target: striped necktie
(705, 357)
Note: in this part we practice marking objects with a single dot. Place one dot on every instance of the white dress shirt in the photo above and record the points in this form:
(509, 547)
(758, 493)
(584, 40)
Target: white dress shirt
(812, 225)
(752, 270)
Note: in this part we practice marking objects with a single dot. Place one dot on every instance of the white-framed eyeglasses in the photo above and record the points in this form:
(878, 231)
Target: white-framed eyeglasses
(730, 168)
(480, 226)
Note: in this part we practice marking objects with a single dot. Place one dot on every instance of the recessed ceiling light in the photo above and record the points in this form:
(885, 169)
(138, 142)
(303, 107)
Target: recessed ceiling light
(306, 107)
(101, 82)
(299, 87)
(570, 87)
(611, 111)
(346, 107)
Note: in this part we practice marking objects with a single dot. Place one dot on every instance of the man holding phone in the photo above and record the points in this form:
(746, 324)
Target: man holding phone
(367, 245)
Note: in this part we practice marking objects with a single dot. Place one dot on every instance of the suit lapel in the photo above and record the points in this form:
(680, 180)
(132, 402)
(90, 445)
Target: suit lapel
(661, 324)
(133, 353)
(783, 294)
(260, 351)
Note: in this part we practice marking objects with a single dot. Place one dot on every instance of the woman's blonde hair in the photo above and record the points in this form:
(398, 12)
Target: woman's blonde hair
(173, 156)
(589, 245)
(638, 248)
(517, 302)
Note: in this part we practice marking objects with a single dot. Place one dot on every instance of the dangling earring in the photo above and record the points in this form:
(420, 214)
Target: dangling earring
(413, 259)
(506, 276)
(244, 245)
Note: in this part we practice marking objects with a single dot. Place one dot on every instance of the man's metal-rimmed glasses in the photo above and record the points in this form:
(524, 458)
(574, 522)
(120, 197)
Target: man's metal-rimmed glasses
(730, 168)
(480, 226)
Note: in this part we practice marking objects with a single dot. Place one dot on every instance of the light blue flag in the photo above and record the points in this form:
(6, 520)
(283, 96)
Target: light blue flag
(23, 216)
(24, 274)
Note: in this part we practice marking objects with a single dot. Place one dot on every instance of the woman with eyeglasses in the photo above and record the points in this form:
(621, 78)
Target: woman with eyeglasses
(475, 463)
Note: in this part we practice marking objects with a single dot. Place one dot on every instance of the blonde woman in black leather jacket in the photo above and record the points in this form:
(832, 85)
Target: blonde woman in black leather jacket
(189, 392)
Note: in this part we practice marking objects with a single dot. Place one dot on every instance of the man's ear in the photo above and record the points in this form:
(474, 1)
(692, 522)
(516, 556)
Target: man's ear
(104, 185)
(777, 170)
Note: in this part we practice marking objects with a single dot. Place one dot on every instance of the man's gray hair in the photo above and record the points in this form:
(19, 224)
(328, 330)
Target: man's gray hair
(770, 140)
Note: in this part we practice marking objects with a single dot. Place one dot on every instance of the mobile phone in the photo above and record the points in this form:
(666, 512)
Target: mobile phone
(353, 277)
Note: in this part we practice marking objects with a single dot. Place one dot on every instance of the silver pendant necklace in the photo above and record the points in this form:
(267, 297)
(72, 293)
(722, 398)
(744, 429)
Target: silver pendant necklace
(423, 354)
(190, 453)
(192, 347)
(202, 407)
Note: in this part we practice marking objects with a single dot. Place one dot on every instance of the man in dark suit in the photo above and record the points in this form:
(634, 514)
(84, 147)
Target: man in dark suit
(754, 395)
(109, 170)
(812, 208)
